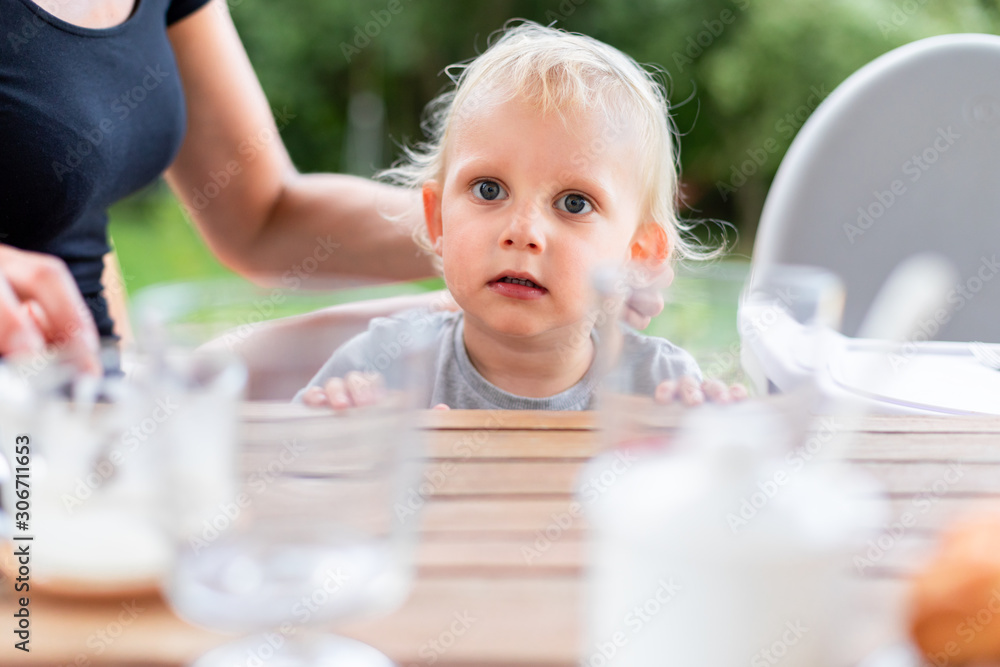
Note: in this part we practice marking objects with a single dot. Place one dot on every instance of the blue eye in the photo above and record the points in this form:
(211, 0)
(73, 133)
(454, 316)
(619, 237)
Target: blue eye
(574, 204)
(489, 190)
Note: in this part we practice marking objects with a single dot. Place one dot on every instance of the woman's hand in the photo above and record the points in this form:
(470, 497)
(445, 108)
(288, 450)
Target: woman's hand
(645, 303)
(689, 392)
(40, 305)
(642, 306)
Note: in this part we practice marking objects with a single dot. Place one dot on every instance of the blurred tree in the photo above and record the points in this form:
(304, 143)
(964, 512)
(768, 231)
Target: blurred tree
(743, 74)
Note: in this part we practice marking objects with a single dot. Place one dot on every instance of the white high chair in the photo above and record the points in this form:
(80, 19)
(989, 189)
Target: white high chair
(903, 157)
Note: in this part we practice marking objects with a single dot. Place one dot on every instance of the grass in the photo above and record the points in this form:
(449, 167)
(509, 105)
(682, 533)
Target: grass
(156, 243)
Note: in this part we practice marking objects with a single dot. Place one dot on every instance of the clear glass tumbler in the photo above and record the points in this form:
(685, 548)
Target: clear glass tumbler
(722, 533)
(307, 525)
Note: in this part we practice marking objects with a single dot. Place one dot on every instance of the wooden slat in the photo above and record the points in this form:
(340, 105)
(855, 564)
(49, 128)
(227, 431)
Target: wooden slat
(446, 516)
(936, 478)
(539, 478)
(673, 417)
(526, 443)
(930, 424)
(511, 444)
(665, 416)
(504, 480)
(559, 478)
(560, 546)
(546, 635)
(984, 447)
(540, 420)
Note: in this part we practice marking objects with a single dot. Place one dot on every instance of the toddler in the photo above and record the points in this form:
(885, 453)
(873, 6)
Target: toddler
(552, 156)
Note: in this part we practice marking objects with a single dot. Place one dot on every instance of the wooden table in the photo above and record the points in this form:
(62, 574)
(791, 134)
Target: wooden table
(492, 589)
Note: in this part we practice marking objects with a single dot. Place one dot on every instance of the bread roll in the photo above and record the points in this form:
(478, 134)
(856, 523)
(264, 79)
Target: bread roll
(955, 606)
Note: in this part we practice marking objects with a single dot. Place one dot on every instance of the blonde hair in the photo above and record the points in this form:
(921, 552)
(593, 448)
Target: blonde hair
(558, 70)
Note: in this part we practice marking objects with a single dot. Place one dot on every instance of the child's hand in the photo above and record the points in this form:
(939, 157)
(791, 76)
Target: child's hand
(688, 392)
(354, 390)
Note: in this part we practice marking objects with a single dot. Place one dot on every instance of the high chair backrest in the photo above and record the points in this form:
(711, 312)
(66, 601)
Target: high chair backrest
(903, 157)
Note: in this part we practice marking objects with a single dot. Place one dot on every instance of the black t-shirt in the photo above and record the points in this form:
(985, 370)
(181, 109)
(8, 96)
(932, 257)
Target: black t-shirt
(86, 117)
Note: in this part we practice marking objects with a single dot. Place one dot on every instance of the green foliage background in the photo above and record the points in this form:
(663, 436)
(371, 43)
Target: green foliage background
(735, 70)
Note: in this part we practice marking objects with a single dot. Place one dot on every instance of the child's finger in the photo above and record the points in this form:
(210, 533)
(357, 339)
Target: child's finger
(365, 388)
(359, 388)
(336, 394)
(716, 391)
(441, 406)
(314, 397)
(378, 387)
(690, 391)
(666, 392)
(737, 392)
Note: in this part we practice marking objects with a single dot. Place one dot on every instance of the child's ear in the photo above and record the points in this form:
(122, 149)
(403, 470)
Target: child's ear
(650, 244)
(432, 213)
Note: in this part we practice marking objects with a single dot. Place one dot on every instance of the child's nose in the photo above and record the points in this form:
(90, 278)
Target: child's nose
(524, 231)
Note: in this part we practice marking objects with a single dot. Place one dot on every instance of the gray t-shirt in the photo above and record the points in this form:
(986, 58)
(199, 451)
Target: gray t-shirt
(648, 361)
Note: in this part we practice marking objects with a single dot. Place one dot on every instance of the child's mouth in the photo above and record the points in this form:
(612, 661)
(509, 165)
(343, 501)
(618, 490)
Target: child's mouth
(517, 288)
(519, 281)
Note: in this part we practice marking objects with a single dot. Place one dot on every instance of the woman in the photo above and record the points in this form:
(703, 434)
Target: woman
(97, 99)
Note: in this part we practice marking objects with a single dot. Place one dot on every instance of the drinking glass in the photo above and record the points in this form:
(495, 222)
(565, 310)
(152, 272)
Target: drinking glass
(87, 499)
(305, 524)
(699, 317)
(717, 534)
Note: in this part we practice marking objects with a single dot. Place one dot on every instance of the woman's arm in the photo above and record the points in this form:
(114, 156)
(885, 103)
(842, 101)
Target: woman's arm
(264, 216)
